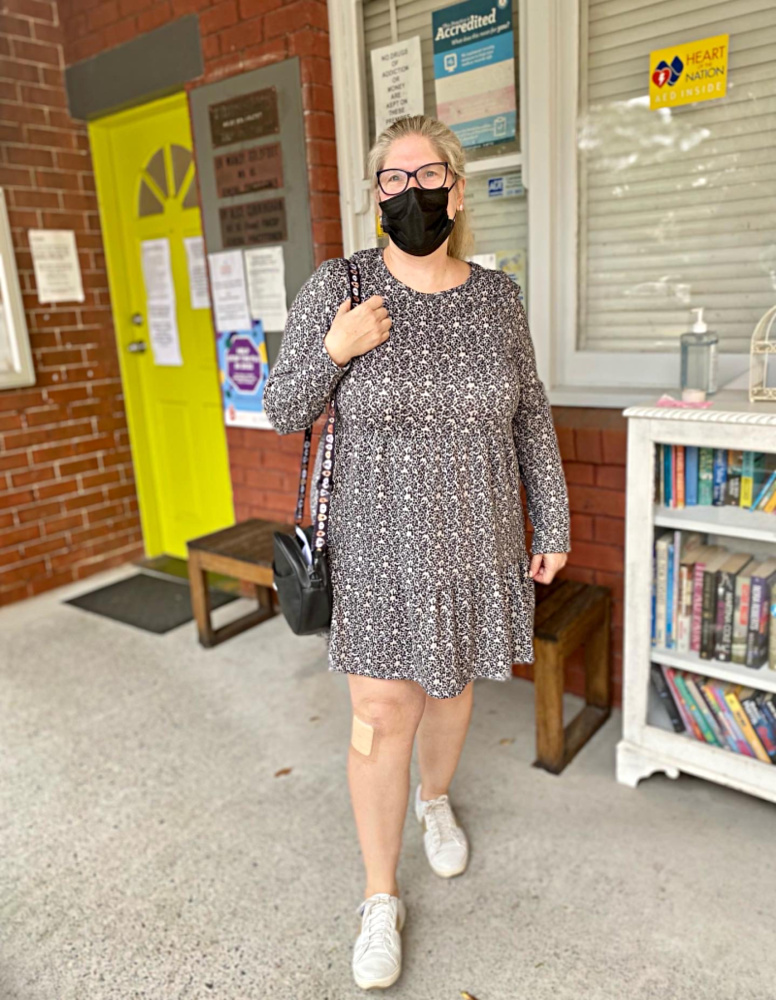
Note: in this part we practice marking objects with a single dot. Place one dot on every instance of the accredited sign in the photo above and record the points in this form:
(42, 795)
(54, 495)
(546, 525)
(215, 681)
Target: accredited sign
(690, 72)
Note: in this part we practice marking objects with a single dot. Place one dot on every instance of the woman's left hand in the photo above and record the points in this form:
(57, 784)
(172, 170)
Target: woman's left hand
(544, 566)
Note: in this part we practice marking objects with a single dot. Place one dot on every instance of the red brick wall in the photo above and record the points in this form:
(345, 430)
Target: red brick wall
(67, 495)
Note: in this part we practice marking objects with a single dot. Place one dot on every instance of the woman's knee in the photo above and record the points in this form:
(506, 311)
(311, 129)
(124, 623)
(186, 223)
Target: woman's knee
(387, 707)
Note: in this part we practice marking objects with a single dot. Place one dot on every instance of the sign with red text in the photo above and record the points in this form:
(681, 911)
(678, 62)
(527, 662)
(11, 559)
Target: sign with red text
(688, 73)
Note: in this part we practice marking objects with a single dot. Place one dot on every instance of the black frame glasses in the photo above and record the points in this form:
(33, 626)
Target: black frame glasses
(414, 173)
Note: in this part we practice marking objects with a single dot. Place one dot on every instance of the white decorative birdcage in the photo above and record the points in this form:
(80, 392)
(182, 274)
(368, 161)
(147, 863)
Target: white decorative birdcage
(762, 349)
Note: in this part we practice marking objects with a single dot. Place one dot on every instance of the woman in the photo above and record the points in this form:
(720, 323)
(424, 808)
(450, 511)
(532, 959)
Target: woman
(440, 416)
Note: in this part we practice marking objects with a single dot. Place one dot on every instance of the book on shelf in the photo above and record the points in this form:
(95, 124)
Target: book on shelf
(719, 477)
(757, 638)
(662, 688)
(732, 717)
(709, 600)
(690, 476)
(733, 481)
(706, 477)
(708, 628)
(726, 588)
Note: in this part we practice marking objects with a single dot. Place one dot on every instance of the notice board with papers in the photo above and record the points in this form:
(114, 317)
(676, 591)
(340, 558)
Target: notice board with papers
(252, 169)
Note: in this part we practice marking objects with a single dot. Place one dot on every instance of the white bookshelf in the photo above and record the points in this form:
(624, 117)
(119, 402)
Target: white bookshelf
(649, 743)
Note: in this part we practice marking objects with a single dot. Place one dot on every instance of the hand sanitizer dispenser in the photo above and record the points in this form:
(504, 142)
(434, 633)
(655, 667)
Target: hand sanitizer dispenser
(699, 357)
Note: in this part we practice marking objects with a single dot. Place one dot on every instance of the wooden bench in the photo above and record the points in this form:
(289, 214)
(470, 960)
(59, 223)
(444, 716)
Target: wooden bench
(569, 614)
(244, 552)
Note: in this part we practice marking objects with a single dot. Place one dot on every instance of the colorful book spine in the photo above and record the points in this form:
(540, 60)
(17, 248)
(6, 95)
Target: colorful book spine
(686, 700)
(706, 476)
(708, 614)
(664, 691)
(679, 475)
(691, 475)
(772, 632)
(707, 733)
(684, 617)
(733, 483)
(747, 697)
(726, 593)
(747, 480)
(708, 716)
(766, 488)
(741, 617)
(661, 547)
(720, 715)
(689, 724)
(719, 476)
(731, 697)
(696, 623)
(759, 614)
(670, 597)
(653, 597)
(660, 474)
(668, 475)
(765, 699)
(717, 691)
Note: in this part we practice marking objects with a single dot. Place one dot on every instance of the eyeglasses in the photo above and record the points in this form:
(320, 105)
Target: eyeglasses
(392, 180)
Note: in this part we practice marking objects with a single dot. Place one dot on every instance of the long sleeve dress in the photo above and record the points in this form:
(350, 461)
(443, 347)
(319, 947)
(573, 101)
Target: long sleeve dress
(435, 429)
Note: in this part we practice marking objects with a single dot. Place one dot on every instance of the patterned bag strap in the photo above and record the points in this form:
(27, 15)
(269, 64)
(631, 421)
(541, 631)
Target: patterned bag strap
(325, 478)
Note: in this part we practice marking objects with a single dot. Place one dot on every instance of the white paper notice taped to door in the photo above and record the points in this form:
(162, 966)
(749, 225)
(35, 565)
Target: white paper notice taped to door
(163, 331)
(160, 296)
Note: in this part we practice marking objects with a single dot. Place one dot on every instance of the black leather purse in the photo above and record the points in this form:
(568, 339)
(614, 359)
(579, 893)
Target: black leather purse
(304, 588)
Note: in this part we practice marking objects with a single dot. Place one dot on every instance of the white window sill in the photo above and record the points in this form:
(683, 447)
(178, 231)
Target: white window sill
(733, 394)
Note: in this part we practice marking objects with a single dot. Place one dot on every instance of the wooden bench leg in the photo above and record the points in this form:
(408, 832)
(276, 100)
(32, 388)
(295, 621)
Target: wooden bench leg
(597, 683)
(264, 596)
(548, 694)
(200, 599)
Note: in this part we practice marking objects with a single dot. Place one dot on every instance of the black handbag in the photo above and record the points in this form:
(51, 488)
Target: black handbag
(303, 588)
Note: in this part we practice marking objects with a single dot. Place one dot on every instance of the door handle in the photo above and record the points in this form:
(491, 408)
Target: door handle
(137, 347)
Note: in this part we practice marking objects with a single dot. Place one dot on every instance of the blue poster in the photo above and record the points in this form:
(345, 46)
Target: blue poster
(474, 71)
(243, 367)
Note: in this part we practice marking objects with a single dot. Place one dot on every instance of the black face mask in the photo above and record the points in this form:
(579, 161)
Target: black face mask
(417, 219)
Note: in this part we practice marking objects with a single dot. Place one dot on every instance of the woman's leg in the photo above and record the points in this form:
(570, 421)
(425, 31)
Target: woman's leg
(379, 771)
(441, 735)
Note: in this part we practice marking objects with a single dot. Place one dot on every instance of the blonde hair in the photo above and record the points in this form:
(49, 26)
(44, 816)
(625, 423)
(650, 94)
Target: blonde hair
(448, 147)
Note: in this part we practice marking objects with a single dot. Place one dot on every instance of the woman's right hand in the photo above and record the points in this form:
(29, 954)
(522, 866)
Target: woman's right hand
(356, 331)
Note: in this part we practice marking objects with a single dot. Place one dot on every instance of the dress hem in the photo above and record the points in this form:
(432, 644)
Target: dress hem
(440, 697)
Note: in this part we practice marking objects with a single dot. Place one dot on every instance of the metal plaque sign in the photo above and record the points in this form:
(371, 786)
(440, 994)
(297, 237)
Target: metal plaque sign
(258, 168)
(248, 116)
(254, 223)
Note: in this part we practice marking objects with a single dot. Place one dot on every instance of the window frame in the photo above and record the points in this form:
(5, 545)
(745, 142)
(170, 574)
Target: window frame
(12, 305)
(549, 46)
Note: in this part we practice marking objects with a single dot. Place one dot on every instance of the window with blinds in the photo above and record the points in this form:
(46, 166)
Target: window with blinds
(498, 223)
(677, 206)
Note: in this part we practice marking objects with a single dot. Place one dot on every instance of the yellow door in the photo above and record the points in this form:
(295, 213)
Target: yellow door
(147, 191)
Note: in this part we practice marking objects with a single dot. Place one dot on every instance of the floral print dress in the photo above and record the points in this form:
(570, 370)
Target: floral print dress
(436, 427)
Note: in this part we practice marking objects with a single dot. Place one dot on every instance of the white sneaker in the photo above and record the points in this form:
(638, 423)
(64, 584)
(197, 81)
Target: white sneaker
(377, 952)
(447, 848)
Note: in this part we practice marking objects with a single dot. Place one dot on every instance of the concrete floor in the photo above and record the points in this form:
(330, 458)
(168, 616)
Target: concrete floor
(148, 849)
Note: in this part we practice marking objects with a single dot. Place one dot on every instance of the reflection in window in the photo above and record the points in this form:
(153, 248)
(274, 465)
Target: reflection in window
(677, 206)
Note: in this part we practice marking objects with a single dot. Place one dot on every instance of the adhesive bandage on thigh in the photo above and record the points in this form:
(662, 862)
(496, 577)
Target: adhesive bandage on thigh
(362, 736)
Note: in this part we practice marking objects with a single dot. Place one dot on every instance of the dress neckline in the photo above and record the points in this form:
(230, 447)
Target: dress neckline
(445, 291)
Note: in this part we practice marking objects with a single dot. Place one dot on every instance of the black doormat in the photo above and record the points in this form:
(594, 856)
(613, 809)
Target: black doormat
(147, 602)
